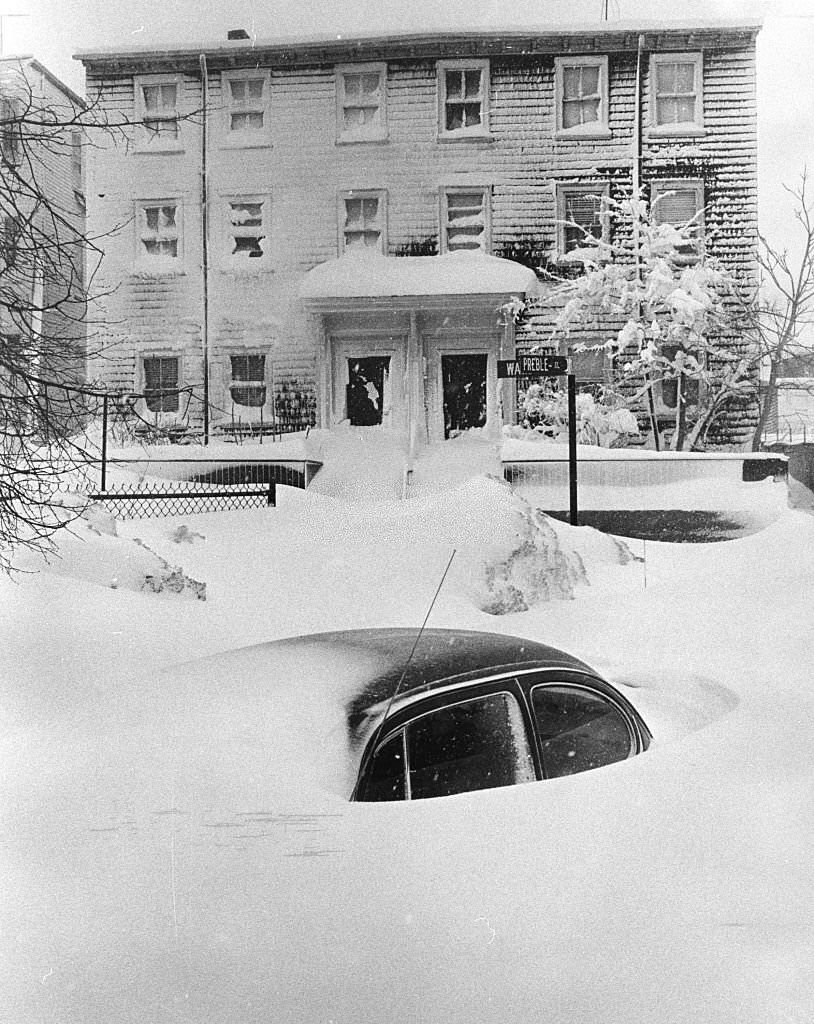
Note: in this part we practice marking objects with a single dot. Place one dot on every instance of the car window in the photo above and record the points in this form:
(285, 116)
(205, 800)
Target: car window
(579, 730)
(474, 744)
(385, 778)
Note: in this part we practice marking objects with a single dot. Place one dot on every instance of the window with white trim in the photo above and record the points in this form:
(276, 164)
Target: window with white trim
(247, 227)
(362, 221)
(161, 382)
(248, 381)
(581, 216)
(676, 93)
(463, 98)
(582, 95)
(680, 202)
(159, 232)
(158, 110)
(246, 103)
(361, 102)
(465, 219)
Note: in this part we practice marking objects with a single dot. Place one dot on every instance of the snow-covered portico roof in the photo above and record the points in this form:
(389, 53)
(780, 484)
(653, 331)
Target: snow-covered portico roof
(373, 276)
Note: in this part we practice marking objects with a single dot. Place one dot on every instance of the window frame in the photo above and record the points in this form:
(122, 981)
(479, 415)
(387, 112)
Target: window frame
(480, 131)
(681, 128)
(446, 700)
(662, 186)
(230, 259)
(246, 138)
(599, 129)
(449, 190)
(143, 259)
(564, 684)
(362, 193)
(562, 191)
(376, 132)
(145, 357)
(232, 381)
(154, 144)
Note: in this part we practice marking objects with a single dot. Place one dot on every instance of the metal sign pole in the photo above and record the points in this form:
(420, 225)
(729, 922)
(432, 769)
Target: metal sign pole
(572, 449)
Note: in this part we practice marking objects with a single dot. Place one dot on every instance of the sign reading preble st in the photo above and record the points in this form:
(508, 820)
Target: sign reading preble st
(532, 366)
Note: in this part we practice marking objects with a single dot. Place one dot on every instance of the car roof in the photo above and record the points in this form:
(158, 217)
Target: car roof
(409, 660)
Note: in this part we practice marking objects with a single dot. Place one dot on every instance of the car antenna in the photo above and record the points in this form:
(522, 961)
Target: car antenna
(412, 651)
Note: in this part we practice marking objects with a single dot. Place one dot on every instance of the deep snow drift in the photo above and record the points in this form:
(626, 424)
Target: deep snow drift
(178, 848)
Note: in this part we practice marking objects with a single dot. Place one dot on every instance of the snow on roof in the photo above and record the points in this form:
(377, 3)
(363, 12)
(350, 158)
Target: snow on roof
(291, 24)
(457, 273)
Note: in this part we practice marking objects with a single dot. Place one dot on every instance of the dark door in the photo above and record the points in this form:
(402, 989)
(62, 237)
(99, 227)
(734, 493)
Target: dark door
(464, 381)
(365, 390)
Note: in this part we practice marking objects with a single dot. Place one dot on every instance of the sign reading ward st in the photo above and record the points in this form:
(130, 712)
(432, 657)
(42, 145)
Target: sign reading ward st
(532, 366)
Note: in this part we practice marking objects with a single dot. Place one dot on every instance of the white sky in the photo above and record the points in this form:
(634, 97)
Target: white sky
(55, 29)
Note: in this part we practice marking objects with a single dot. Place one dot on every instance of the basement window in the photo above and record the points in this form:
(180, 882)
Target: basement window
(247, 233)
(161, 383)
(248, 384)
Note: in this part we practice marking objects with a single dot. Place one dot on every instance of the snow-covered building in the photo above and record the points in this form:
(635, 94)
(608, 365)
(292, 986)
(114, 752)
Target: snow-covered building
(338, 228)
(42, 220)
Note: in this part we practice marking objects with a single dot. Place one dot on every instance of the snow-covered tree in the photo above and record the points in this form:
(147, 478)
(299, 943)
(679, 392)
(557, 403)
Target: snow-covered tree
(672, 307)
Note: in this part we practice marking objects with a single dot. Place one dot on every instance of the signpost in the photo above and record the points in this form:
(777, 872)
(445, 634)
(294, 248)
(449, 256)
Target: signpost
(546, 365)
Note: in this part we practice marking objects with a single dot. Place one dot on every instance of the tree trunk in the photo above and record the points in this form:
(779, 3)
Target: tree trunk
(765, 407)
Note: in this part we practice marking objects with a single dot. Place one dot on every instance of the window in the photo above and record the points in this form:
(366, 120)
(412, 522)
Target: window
(247, 228)
(248, 386)
(9, 133)
(463, 98)
(578, 730)
(246, 100)
(582, 96)
(362, 221)
(158, 230)
(361, 108)
(157, 108)
(10, 240)
(474, 744)
(581, 216)
(465, 219)
(161, 383)
(671, 377)
(680, 202)
(676, 91)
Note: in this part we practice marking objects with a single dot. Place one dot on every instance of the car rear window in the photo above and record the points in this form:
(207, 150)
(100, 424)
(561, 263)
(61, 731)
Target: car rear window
(579, 729)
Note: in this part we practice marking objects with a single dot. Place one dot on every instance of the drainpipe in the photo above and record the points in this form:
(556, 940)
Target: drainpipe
(637, 184)
(205, 246)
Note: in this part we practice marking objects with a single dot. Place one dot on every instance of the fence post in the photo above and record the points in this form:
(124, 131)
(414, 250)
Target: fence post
(272, 495)
(104, 443)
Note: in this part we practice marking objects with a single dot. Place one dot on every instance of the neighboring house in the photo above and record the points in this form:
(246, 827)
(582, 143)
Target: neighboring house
(42, 220)
(452, 161)
(791, 407)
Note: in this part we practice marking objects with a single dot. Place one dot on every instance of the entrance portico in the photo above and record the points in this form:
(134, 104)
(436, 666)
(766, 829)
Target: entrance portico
(411, 344)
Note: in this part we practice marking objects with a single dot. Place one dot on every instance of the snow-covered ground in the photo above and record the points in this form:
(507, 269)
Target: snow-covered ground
(177, 843)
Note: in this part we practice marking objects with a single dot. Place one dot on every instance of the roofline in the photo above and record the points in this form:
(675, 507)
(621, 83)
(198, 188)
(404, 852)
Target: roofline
(30, 60)
(511, 40)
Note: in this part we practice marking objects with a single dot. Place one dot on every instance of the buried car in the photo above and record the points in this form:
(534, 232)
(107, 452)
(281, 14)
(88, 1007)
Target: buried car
(451, 711)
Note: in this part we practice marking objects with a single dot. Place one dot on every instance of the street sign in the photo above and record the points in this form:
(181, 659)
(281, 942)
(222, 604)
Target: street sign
(532, 366)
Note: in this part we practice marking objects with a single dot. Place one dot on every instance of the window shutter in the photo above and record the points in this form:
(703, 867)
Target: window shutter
(676, 206)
